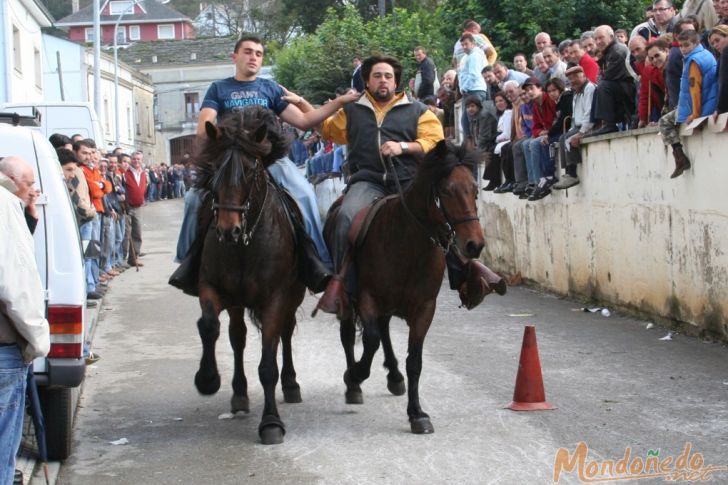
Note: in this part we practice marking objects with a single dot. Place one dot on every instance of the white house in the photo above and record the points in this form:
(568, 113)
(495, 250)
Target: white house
(21, 50)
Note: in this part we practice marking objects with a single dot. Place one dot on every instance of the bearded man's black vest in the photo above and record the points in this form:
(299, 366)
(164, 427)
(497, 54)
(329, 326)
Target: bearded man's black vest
(365, 138)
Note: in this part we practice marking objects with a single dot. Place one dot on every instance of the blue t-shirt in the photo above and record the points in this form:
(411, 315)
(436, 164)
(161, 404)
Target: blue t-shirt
(230, 94)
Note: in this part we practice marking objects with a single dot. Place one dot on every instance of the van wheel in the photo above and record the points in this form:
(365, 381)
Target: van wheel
(58, 413)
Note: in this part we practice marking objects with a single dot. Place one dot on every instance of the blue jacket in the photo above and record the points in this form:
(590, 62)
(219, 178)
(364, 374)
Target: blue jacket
(709, 88)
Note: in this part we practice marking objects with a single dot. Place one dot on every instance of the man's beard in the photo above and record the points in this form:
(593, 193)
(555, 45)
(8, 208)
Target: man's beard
(381, 96)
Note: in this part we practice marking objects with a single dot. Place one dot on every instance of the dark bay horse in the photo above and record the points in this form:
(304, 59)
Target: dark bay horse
(400, 267)
(248, 260)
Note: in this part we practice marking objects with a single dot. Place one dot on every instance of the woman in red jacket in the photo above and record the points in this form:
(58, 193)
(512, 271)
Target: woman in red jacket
(652, 82)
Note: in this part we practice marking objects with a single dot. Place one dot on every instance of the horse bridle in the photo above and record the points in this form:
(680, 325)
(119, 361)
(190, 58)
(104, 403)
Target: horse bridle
(244, 208)
(444, 240)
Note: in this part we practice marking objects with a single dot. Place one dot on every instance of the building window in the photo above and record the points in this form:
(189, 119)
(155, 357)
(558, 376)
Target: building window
(134, 33)
(17, 54)
(121, 35)
(165, 31)
(121, 7)
(38, 68)
(89, 34)
(150, 124)
(192, 104)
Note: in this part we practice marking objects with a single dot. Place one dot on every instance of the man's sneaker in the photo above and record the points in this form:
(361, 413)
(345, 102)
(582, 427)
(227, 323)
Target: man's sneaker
(506, 187)
(519, 188)
(93, 295)
(566, 182)
(18, 478)
(540, 192)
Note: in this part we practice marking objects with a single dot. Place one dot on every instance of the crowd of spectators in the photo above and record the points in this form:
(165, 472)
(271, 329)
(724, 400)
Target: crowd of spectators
(108, 191)
(529, 121)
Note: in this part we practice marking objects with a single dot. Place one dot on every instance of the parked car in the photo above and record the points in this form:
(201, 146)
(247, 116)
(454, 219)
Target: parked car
(59, 256)
(67, 118)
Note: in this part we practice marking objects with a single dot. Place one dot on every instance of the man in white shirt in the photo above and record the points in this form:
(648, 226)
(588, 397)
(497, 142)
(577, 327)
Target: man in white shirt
(24, 332)
(570, 142)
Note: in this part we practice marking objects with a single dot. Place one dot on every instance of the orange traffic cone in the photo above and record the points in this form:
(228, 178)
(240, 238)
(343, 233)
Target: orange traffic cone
(529, 394)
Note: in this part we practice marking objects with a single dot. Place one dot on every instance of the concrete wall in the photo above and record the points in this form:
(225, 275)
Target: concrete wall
(628, 236)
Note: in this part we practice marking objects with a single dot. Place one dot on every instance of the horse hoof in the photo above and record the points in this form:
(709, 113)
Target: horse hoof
(271, 430)
(207, 385)
(396, 388)
(239, 403)
(354, 397)
(353, 391)
(421, 426)
(292, 394)
(271, 435)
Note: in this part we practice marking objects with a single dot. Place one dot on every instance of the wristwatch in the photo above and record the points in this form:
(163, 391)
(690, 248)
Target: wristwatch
(404, 146)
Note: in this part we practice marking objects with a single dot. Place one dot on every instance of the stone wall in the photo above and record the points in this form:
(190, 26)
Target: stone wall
(628, 236)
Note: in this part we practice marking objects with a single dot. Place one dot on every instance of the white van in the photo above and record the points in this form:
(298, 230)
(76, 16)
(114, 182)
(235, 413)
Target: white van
(66, 118)
(60, 262)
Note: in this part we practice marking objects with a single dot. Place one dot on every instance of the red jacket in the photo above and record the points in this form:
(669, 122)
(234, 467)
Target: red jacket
(543, 114)
(95, 190)
(135, 191)
(652, 87)
(590, 66)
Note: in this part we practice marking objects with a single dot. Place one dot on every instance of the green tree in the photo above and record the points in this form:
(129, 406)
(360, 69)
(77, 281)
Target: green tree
(314, 65)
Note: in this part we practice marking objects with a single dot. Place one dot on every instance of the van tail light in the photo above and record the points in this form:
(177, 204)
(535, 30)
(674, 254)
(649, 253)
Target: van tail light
(66, 324)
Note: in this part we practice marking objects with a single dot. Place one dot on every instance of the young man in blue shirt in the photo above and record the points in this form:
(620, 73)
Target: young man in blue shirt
(245, 89)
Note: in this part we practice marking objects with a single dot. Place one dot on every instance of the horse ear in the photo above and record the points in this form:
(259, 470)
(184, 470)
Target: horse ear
(211, 131)
(440, 150)
(261, 133)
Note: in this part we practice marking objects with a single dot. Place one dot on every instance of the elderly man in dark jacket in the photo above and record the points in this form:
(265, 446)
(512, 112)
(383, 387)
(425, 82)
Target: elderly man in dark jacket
(615, 94)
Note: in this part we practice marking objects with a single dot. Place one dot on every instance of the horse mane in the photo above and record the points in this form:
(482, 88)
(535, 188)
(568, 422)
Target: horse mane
(441, 160)
(221, 159)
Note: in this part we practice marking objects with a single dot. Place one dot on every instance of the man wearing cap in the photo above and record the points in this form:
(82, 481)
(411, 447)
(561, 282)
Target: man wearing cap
(569, 142)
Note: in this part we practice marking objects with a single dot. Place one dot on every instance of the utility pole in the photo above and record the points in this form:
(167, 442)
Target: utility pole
(97, 60)
(60, 75)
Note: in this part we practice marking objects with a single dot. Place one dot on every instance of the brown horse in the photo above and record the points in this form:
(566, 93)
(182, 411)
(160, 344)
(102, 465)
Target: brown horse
(400, 267)
(248, 260)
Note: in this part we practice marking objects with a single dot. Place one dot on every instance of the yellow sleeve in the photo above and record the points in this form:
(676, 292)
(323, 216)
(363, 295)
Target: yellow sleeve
(429, 131)
(334, 128)
(492, 56)
(696, 88)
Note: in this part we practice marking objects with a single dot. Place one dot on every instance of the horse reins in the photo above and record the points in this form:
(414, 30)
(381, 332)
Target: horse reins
(442, 241)
(244, 209)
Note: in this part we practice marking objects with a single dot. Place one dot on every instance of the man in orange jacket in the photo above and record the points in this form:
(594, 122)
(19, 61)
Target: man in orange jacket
(91, 231)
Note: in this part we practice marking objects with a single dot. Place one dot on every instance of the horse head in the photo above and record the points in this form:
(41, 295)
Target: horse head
(232, 168)
(454, 193)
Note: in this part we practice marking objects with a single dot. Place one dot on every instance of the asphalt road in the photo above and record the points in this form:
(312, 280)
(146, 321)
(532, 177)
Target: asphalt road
(615, 383)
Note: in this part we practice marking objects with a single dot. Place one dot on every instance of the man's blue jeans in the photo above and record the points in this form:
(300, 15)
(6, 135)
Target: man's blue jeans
(288, 176)
(13, 378)
(90, 231)
(532, 150)
(119, 233)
